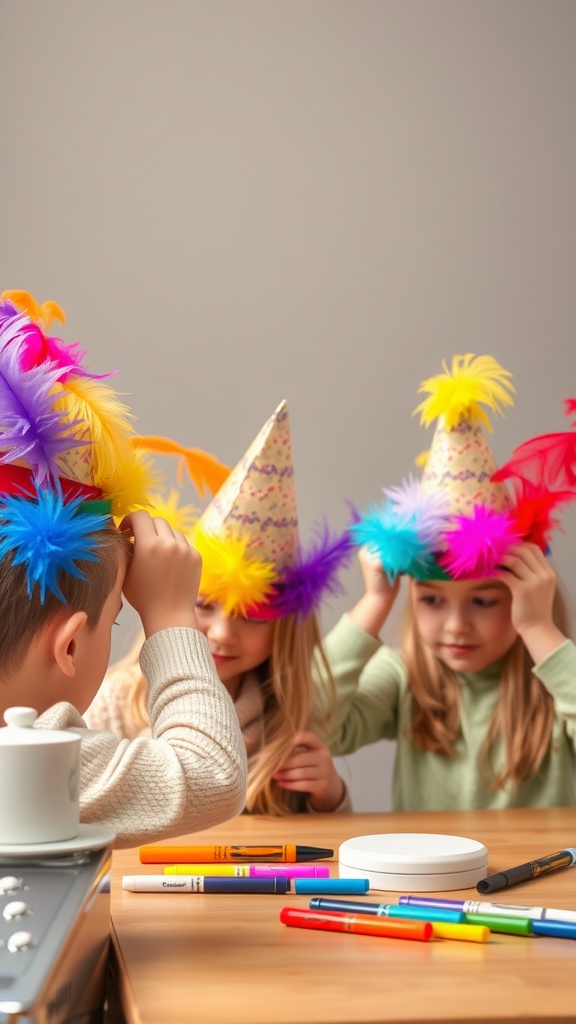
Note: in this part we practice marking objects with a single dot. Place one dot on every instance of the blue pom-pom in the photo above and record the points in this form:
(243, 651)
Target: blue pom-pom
(47, 535)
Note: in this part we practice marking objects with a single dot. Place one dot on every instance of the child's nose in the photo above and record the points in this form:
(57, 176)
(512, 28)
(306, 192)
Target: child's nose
(458, 621)
(221, 627)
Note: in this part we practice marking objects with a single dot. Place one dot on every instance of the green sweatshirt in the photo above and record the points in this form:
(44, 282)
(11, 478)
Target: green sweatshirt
(374, 704)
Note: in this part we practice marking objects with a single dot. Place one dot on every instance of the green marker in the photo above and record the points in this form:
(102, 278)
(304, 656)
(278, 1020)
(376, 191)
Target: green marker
(500, 923)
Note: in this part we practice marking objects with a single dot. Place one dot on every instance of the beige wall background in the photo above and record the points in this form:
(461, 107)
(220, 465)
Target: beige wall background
(239, 201)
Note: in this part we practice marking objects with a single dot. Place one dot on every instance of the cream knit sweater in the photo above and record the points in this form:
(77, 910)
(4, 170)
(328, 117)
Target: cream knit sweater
(189, 774)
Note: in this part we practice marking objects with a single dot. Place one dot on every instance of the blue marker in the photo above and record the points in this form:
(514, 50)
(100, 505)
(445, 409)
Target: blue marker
(351, 886)
(556, 929)
(390, 910)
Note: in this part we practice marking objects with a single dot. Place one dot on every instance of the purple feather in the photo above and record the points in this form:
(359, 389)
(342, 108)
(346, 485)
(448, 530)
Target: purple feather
(30, 429)
(7, 311)
(302, 586)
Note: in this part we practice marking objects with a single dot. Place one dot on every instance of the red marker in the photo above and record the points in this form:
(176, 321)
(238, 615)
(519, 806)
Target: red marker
(362, 924)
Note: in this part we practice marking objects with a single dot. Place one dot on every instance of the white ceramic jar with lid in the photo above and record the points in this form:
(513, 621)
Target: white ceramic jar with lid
(414, 861)
(40, 781)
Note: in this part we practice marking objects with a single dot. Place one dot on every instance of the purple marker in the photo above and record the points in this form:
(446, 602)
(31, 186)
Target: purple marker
(484, 907)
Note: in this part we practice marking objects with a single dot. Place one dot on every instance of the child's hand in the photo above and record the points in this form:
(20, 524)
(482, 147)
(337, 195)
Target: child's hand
(374, 607)
(164, 575)
(310, 769)
(532, 583)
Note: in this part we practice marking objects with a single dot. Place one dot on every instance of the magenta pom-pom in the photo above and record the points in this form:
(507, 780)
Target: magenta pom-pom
(476, 545)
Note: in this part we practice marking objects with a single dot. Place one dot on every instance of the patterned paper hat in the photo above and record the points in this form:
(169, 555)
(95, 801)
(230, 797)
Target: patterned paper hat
(69, 457)
(252, 562)
(459, 519)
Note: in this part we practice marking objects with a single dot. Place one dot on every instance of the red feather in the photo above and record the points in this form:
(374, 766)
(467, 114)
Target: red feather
(533, 510)
(548, 460)
(570, 407)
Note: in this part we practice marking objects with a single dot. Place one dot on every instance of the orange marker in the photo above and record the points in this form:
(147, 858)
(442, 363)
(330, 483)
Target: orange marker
(361, 924)
(230, 854)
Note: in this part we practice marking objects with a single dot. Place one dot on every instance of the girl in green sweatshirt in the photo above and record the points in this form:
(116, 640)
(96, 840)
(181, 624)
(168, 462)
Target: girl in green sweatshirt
(481, 696)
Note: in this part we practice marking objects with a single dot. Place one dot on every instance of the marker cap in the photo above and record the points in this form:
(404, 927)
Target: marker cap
(331, 886)
(555, 929)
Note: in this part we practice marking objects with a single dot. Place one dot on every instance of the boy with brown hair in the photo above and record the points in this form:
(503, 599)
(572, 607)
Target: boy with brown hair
(68, 472)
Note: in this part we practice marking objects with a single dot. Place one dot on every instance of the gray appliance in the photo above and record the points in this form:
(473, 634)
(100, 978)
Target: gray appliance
(54, 938)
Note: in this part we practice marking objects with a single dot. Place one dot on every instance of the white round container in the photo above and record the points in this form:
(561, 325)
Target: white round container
(40, 777)
(414, 861)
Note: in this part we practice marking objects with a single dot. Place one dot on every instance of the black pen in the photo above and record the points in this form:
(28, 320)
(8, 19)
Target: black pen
(524, 872)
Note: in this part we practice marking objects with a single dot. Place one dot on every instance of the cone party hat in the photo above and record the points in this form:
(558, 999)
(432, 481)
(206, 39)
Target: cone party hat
(259, 496)
(252, 561)
(459, 520)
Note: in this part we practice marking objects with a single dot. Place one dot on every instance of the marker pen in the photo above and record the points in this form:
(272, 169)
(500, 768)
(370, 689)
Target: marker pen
(361, 924)
(484, 907)
(203, 883)
(251, 870)
(391, 910)
(524, 872)
(498, 923)
(556, 929)
(351, 886)
(157, 854)
(463, 932)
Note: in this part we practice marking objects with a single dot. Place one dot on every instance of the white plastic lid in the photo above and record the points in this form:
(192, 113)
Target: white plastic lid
(20, 731)
(415, 853)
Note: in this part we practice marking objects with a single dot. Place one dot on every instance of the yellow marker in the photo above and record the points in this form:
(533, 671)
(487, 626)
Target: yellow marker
(235, 870)
(464, 932)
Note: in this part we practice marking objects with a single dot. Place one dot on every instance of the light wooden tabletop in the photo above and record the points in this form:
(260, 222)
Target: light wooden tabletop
(227, 959)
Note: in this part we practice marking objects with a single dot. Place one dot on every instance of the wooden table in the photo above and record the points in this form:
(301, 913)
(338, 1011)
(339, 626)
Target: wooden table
(227, 958)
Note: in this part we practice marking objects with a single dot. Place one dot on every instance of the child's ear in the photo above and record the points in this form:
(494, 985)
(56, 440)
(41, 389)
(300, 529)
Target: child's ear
(65, 641)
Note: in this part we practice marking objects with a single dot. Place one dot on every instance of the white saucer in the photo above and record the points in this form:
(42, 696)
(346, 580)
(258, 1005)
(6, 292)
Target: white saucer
(90, 837)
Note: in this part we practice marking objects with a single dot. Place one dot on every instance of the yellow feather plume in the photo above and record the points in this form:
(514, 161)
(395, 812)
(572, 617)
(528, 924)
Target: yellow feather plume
(180, 517)
(131, 485)
(103, 419)
(231, 577)
(459, 394)
(42, 313)
(204, 469)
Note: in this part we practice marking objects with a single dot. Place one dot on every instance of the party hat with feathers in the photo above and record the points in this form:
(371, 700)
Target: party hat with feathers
(68, 462)
(252, 561)
(459, 519)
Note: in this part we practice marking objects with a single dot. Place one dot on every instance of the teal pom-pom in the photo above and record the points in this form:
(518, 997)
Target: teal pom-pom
(395, 539)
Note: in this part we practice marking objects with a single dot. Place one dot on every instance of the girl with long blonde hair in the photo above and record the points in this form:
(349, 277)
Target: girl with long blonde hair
(481, 695)
(257, 607)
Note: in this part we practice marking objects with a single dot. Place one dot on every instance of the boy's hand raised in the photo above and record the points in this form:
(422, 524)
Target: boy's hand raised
(164, 575)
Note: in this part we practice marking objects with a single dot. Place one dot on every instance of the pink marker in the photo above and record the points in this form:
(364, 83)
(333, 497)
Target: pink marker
(289, 870)
(284, 870)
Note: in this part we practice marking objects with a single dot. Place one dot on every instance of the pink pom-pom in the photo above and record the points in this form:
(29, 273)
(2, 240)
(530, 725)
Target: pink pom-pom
(475, 546)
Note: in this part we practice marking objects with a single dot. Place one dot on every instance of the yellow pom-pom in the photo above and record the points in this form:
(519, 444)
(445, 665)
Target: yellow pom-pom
(230, 576)
(459, 394)
(131, 485)
(180, 517)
